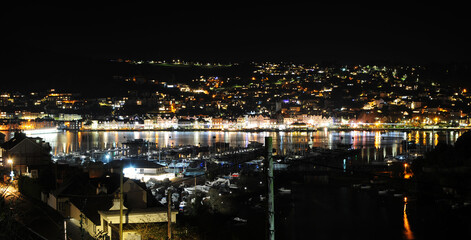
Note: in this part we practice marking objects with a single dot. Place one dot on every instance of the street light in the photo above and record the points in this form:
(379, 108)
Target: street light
(10, 161)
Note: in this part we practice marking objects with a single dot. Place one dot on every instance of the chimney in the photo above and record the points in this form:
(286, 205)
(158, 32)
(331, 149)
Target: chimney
(101, 189)
(19, 135)
(116, 204)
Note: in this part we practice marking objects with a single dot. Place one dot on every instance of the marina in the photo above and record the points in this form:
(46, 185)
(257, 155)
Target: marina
(374, 146)
(187, 154)
(219, 166)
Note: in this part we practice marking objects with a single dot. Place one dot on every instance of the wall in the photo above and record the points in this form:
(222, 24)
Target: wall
(150, 217)
(135, 196)
(52, 201)
(87, 224)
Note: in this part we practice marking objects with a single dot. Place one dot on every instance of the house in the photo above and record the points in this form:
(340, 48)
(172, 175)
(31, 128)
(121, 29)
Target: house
(258, 121)
(136, 212)
(142, 170)
(2, 139)
(58, 199)
(136, 147)
(93, 205)
(95, 169)
(148, 124)
(241, 122)
(28, 155)
(216, 123)
(164, 122)
(184, 123)
(132, 220)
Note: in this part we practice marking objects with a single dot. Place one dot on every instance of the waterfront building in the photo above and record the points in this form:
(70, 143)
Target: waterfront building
(141, 170)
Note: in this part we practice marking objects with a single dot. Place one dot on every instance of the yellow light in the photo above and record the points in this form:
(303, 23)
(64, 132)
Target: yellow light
(10, 161)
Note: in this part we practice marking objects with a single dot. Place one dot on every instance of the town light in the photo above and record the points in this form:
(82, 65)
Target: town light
(12, 174)
(129, 172)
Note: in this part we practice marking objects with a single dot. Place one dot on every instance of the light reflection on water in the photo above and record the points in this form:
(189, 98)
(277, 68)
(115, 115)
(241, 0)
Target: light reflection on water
(408, 234)
(373, 145)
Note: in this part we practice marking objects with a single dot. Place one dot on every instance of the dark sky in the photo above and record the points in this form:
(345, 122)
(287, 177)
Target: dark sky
(234, 31)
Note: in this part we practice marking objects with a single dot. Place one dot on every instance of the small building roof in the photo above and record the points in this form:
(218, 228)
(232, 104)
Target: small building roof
(135, 163)
(90, 206)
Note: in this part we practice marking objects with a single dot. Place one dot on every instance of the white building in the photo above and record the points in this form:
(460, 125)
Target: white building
(99, 213)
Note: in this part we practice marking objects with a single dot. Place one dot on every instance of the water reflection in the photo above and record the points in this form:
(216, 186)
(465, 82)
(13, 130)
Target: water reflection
(374, 145)
(408, 234)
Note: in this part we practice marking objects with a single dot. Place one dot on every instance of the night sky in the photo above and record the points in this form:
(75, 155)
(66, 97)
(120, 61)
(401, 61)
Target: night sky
(233, 31)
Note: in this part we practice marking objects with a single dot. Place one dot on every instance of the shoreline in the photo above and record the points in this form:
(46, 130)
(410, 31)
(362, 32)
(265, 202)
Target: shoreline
(335, 129)
(270, 130)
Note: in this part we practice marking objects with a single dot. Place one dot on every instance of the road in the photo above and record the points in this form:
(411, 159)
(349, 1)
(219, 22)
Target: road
(34, 215)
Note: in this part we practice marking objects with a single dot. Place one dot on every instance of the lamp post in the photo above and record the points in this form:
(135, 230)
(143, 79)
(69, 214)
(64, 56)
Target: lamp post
(10, 161)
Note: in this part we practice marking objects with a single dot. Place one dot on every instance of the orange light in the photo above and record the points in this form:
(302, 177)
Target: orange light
(408, 234)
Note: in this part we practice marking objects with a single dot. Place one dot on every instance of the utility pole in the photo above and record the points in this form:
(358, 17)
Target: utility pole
(121, 204)
(169, 214)
(65, 229)
(271, 195)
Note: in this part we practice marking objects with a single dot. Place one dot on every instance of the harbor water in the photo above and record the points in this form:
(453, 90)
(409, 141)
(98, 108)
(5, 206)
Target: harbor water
(373, 146)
